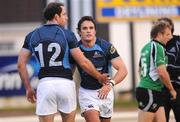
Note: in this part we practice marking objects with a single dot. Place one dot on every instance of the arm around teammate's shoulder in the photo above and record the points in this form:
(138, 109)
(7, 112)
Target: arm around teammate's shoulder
(87, 66)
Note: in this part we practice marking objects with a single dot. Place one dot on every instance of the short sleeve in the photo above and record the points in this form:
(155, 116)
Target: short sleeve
(160, 55)
(26, 44)
(72, 40)
(112, 52)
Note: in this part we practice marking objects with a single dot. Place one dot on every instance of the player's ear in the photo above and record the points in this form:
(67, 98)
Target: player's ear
(56, 16)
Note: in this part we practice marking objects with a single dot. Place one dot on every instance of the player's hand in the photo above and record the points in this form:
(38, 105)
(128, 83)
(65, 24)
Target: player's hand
(31, 95)
(173, 94)
(104, 91)
(103, 78)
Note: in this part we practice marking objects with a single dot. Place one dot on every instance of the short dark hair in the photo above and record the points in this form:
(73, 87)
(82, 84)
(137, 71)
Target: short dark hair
(52, 9)
(169, 21)
(85, 18)
(159, 27)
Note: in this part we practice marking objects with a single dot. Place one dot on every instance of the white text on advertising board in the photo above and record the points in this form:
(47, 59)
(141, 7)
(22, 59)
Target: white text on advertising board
(115, 10)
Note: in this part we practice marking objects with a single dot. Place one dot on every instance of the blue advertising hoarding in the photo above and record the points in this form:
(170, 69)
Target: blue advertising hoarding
(134, 10)
(10, 82)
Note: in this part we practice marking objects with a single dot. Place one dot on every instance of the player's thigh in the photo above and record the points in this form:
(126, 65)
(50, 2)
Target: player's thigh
(88, 100)
(106, 106)
(91, 115)
(66, 96)
(175, 104)
(160, 115)
(46, 98)
(144, 116)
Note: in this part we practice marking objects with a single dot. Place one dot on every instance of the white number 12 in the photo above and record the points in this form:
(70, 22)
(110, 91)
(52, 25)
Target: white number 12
(52, 61)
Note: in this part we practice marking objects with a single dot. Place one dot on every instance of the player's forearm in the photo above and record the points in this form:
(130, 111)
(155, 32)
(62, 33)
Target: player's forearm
(23, 59)
(120, 75)
(84, 63)
(89, 68)
(164, 76)
(24, 75)
(166, 80)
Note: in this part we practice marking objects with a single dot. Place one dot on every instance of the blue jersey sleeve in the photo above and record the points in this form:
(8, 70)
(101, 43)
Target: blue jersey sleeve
(112, 52)
(72, 40)
(26, 44)
(109, 50)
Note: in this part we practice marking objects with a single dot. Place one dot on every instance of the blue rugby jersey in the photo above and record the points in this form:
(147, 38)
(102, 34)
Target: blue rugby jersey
(100, 55)
(51, 45)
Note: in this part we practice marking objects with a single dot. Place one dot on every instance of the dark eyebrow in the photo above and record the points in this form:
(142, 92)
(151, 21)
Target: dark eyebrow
(84, 27)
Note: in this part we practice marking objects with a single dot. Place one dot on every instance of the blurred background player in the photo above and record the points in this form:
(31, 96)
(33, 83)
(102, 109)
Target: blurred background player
(173, 68)
(153, 75)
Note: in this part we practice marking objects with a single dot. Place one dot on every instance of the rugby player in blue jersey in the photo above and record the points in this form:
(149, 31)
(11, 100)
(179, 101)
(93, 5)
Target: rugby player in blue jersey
(96, 100)
(51, 45)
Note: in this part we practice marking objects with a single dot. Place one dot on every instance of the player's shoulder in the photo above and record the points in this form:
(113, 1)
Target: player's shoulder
(176, 37)
(103, 43)
(30, 33)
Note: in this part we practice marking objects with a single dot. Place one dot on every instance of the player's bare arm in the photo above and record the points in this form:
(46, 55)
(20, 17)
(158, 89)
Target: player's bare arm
(23, 58)
(121, 73)
(163, 74)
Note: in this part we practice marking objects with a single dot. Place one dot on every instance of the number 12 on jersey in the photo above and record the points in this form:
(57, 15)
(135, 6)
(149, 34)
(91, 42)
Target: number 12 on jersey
(53, 59)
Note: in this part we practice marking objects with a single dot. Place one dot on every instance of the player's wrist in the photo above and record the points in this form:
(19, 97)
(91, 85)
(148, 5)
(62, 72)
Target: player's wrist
(109, 85)
(99, 78)
(112, 82)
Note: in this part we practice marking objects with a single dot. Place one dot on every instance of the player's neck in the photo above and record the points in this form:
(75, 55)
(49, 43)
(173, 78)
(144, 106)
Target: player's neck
(89, 43)
(159, 40)
(52, 22)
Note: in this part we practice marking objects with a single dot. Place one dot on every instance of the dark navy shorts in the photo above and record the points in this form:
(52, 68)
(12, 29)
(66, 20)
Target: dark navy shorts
(149, 100)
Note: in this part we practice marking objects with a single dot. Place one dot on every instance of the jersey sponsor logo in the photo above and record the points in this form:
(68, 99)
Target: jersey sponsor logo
(97, 55)
(90, 106)
(154, 106)
(112, 50)
(141, 104)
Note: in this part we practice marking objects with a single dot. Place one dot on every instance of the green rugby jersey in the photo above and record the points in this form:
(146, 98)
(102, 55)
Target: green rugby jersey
(152, 56)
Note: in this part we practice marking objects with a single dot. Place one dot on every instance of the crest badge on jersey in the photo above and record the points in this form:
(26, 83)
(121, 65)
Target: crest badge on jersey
(112, 49)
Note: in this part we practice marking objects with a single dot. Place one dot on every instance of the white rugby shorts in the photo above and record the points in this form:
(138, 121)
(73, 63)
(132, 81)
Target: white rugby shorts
(88, 99)
(55, 94)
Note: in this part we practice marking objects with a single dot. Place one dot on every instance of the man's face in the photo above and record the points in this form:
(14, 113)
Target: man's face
(87, 31)
(166, 36)
(63, 17)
